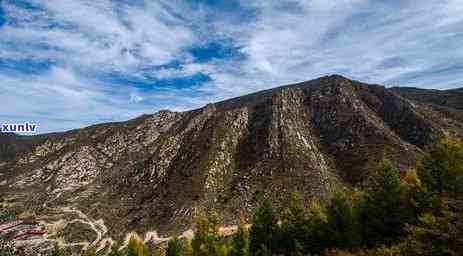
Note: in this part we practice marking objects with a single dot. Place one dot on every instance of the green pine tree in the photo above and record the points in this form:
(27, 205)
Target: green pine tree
(206, 241)
(264, 231)
(116, 252)
(240, 242)
(381, 214)
(316, 237)
(342, 228)
(435, 235)
(416, 198)
(174, 248)
(441, 170)
(137, 248)
(294, 227)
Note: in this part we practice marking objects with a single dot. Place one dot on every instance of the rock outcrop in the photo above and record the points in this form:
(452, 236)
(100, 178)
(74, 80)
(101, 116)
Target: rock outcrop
(157, 172)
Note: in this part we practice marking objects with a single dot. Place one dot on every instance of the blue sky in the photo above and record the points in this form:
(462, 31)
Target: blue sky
(66, 64)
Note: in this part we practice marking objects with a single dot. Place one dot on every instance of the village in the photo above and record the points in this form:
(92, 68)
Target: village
(21, 230)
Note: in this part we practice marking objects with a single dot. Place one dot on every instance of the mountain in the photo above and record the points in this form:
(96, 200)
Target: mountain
(448, 103)
(449, 98)
(157, 172)
(13, 145)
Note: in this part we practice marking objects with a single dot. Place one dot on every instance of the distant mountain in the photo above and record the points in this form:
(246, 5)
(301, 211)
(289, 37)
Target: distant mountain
(447, 98)
(157, 172)
(12, 145)
(449, 103)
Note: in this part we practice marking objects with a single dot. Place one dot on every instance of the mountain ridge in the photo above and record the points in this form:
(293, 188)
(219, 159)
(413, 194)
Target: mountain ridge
(159, 171)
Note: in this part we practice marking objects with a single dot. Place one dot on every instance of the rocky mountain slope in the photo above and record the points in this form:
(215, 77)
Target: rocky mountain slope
(157, 172)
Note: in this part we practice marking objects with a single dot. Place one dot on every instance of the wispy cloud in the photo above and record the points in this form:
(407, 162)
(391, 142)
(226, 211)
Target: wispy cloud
(70, 63)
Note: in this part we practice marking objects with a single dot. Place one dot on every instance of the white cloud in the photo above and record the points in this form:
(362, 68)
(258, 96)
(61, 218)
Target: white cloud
(281, 42)
(61, 100)
(91, 35)
(324, 37)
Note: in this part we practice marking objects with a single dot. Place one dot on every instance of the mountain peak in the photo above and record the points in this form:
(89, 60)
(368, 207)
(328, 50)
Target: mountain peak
(158, 171)
(338, 76)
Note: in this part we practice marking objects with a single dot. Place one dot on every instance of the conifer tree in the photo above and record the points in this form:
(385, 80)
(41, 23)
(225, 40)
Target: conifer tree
(435, 235)
(264, 230)
(342, 226)
(206, 241)
(240, 242)
(174, 247)
(416, 198)
(115, 252)
(137, 248)
(294, 227)
(317, 240)
(187, 249)
(441, 170)
(381, 216)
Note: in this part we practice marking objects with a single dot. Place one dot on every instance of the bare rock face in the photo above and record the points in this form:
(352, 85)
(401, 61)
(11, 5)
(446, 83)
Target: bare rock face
(157, 172)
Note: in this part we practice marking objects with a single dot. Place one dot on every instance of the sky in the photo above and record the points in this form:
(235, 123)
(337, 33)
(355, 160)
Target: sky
(67, 64)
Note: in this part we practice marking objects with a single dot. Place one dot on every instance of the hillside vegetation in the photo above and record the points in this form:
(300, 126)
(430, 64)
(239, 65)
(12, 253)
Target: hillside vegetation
(418, 212)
